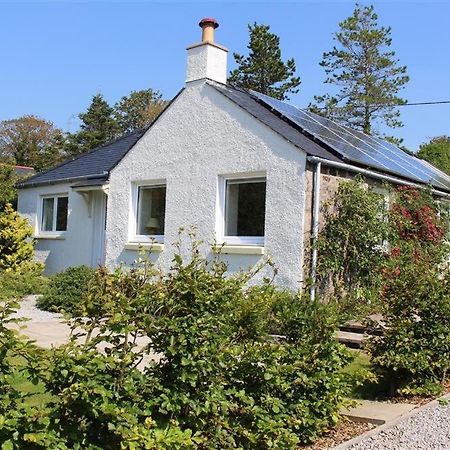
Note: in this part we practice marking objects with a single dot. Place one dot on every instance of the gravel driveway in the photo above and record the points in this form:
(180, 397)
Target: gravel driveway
(429, 429)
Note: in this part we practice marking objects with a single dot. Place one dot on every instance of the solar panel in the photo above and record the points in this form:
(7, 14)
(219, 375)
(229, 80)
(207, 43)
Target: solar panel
(360, 148)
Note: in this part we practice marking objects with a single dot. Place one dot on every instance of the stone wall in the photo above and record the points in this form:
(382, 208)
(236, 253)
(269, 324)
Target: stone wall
(330, 179)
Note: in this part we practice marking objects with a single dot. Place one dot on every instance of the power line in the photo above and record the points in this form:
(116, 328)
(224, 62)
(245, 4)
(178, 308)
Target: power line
(442, 102)
(425, 103)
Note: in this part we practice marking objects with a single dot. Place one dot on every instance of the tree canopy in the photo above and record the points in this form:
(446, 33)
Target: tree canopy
(365, 73)
(437, 152)
(8, 179)
(98, 126)
(138, 109)
(263, 70)
(102, 122)
(31, 141)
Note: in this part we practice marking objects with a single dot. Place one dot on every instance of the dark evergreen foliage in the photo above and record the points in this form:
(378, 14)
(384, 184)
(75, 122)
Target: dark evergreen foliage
(263, 70)
(366, 74)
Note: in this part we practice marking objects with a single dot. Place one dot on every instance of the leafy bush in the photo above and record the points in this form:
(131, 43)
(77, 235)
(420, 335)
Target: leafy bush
(8, 191)
(15, 285)
(350, 250)
(413, 351)
(223, 377)
(218, 379)
(65, 290)
(23, 423)
(16, 245)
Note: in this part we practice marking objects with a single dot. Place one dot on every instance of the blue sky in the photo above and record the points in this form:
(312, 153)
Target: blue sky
(57, 54)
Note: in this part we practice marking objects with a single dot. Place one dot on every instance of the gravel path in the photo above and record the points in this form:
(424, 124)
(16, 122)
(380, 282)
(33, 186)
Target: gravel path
(29, 310)
(429, 429)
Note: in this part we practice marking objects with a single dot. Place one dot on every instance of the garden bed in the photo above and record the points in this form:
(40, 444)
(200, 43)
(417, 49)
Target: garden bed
(345, 430)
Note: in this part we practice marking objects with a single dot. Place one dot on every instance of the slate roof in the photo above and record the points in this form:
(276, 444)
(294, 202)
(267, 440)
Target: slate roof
(95, 164)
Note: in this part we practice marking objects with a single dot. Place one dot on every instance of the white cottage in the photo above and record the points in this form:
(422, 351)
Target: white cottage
(246, 170)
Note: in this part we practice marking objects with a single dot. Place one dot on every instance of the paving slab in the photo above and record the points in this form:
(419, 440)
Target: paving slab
(349, 338)
(377, 412)
(49, 330)
(46, 334)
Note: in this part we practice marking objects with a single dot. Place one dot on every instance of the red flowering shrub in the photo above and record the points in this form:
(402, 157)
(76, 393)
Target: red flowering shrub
(416, 217)
(413, 350)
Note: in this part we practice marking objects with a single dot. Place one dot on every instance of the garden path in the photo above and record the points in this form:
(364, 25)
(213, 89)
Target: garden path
(49, 329)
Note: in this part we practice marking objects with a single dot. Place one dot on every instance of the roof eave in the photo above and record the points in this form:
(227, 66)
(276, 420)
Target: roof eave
(32, 184)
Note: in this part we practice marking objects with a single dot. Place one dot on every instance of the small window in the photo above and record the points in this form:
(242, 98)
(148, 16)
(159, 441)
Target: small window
(54, 214)
(245, 208)
(151, 211)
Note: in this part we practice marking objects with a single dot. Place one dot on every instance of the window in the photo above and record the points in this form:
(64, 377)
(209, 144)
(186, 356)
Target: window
(245, 208)
(54, 214)
(151, 211)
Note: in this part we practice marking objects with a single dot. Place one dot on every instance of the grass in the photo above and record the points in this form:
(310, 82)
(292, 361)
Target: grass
(20, 380)
(365, 389)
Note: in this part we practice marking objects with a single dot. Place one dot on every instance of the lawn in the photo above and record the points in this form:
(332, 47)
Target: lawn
(36, 395)
(367, 390)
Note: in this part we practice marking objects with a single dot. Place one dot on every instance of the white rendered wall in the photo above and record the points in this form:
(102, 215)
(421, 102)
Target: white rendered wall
(76, 246)
(202, 136)
(207, 61)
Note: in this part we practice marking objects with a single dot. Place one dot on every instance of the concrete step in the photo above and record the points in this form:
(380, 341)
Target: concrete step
(353, 340)
(377, 412)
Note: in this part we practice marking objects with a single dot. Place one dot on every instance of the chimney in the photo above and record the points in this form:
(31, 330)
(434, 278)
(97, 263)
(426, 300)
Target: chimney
(207, 60)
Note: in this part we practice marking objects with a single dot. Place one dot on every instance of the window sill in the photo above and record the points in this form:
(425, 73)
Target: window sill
(154, 247)
(50, 236)
(239, 249)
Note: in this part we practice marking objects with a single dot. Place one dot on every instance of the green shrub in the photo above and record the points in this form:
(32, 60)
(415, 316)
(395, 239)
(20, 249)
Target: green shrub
(413, 351)
(15, 285)
(350, 250)
(223, 376)
(65, 290)
(24, 423)
(16, 245)
(221, 380)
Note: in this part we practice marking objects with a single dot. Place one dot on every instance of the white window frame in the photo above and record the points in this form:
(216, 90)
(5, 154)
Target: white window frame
(54, 232)
(133, 236)
(221, 216)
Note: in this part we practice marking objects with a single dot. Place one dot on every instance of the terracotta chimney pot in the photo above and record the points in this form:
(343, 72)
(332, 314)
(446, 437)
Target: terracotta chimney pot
(208, 25)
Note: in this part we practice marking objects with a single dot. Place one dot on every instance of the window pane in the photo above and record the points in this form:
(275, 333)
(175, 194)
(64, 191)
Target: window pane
(47, 214)
(151, 210)
(61, 213)
(245, 207)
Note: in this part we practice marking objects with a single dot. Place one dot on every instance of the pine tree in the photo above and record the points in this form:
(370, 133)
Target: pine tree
(98, 127)
(263, 70)
(138, 109)
(366, 72)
